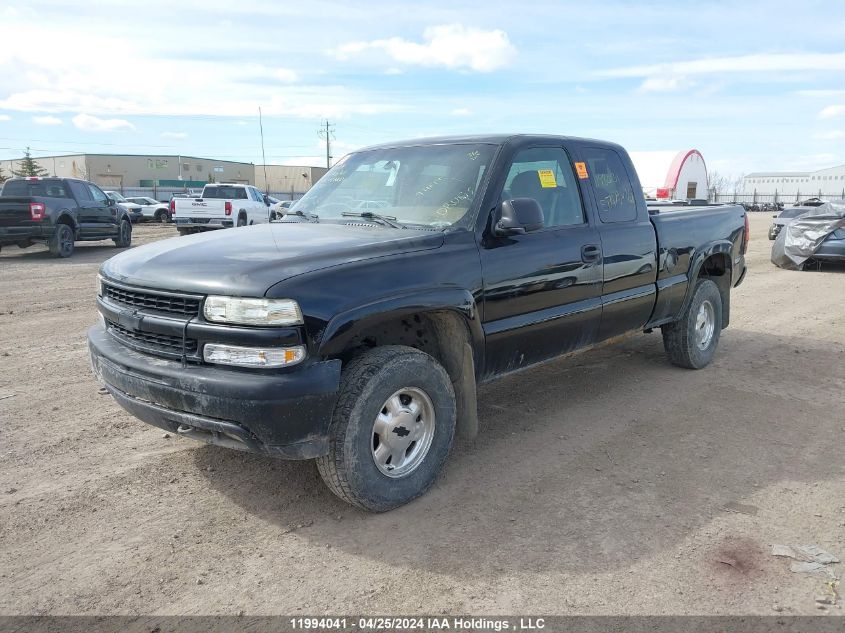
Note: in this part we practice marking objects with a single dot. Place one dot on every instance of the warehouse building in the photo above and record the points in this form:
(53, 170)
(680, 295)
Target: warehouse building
(824, 183)
(287, 181)
(147, 174)
(118, 171)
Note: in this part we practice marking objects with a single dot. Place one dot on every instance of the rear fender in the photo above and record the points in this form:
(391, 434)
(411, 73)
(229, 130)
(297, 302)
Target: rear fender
(717, 247)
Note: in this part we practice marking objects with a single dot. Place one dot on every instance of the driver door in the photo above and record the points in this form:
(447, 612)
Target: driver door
(542, 290)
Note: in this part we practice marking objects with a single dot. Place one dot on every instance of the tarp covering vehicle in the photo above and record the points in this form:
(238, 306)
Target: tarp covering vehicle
(801, 239)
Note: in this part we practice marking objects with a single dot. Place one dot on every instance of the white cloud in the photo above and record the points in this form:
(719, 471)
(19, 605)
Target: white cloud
(449, 45)
(741, 63)
(174, 135)
(287, 75)
(665, 84)
(461, 112)
(832, 111)
(393, 71)
(47, 120)
(5, 117)
(91, 123)
(832, 135)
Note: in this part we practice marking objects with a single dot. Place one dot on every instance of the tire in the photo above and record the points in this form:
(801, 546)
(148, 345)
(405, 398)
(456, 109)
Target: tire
(124, 235)
(61, 244)
(161, 216)
(691, 341)
(185, 231)
(373, 386)
(241, 220)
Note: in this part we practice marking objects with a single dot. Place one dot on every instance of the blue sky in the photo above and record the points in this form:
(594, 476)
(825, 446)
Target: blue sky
(753, 85)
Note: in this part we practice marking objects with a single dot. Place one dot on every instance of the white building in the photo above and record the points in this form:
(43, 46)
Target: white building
(824, 183)
(674, 175)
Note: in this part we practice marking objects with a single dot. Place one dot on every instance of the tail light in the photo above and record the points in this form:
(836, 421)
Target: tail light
(37, 210)
(746, 236)
(228, 208)
(173, 206)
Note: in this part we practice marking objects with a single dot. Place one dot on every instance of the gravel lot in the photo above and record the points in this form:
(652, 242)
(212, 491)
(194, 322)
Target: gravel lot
(600, 484)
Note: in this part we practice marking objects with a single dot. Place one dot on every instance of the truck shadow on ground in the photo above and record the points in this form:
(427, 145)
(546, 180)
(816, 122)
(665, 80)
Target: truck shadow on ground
(585, 464)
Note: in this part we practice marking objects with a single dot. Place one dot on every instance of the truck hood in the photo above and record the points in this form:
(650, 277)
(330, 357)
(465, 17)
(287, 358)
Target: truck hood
(247, 261)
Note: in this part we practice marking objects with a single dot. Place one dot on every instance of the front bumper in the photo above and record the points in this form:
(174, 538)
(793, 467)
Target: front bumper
(281, 413)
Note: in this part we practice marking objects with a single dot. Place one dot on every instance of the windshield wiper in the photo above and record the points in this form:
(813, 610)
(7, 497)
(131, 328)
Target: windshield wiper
(311, 217)
(387, 220)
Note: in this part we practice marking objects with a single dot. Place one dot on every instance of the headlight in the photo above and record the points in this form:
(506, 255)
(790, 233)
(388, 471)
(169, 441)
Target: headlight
(252, 356)
(99, 285)
(252, 311)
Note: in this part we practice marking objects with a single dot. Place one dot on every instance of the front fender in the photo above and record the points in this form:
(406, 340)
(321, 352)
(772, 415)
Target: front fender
(343, 327)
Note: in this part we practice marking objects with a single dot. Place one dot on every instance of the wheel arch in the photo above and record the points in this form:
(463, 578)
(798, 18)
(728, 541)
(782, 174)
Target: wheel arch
(712, 262)
(443, 323)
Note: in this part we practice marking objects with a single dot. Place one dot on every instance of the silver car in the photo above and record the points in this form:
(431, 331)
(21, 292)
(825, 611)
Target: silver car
(783, 218)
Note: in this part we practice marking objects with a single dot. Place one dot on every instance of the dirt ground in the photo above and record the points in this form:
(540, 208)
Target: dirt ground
(606, 483)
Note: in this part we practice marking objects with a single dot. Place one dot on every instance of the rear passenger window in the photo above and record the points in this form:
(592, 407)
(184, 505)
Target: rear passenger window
(545, 174)
(80, 191)
(611, 184)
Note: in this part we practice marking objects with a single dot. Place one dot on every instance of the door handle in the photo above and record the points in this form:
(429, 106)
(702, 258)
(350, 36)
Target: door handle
(590, 253)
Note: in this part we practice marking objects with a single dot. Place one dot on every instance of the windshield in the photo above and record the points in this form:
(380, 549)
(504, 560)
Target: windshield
(791, 213)
(433, 185)
(116, 196)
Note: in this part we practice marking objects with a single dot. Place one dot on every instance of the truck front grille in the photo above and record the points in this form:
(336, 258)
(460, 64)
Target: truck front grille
(168, 303)
(154, 343)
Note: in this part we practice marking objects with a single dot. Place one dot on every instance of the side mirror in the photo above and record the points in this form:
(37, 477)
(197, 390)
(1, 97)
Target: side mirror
(109, 202)
(267, 200)
(519, 216)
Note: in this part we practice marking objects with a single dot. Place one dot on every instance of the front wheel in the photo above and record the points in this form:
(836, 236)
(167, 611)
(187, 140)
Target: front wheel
(391, 430)
(691, 341)
(124, 235)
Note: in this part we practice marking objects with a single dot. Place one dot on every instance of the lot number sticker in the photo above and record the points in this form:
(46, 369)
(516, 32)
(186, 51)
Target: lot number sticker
(581, 168)
(547, 178)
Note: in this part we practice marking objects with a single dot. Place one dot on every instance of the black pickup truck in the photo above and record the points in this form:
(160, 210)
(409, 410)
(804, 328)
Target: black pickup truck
(356, 330)
(59, 212)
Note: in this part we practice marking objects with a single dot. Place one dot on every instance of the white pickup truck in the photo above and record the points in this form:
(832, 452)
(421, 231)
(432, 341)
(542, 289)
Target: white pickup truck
(220, 206)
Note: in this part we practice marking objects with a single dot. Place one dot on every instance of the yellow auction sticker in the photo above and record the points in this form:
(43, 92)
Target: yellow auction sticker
(547, 178)
(581, 168)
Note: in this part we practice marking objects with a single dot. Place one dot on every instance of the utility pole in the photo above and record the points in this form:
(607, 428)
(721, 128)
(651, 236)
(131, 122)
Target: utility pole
(263, 157)
(327, 133)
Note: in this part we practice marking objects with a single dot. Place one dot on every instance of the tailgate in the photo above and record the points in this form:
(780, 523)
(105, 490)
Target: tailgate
(15, 212)
(199, 208)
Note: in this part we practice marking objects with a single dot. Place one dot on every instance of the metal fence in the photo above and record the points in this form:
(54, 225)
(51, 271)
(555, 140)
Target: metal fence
(164, 194)
(773, 198)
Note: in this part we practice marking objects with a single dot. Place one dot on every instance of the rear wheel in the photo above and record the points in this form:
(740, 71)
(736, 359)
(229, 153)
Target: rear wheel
(61, 244)
(391, 429)
(691, 341)
(242, 220)
(162, 216)
(124, 235)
